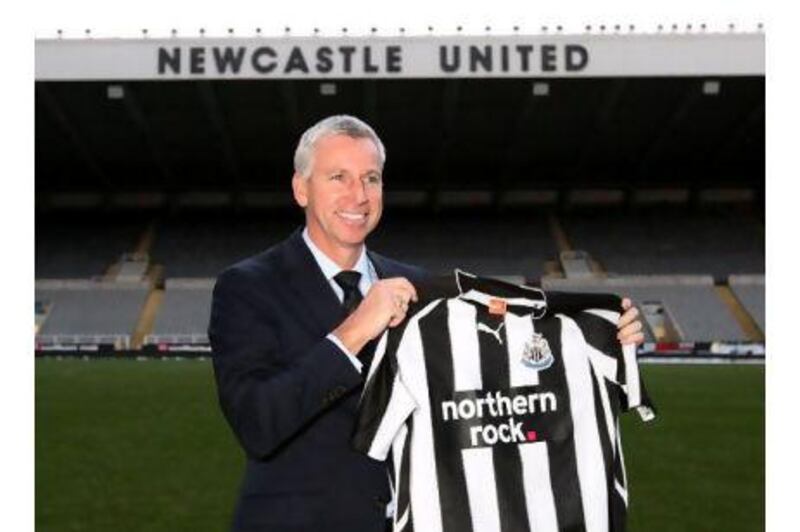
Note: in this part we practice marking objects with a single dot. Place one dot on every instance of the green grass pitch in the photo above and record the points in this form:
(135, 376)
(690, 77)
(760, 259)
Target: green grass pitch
(125, 445)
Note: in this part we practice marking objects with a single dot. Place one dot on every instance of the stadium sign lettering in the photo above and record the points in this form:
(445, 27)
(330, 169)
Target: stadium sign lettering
(367, 60)
(265, 60)
(388, 57)
(521, 57)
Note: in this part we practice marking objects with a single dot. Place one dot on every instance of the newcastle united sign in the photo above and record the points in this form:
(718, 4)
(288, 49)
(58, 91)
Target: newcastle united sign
(406, 57)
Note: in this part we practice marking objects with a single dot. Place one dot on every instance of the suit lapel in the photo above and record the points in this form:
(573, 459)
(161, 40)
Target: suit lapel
(382, 267)
(319, 304)
(305, 277)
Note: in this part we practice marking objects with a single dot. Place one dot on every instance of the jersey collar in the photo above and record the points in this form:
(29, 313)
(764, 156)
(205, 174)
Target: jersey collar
(518, 299)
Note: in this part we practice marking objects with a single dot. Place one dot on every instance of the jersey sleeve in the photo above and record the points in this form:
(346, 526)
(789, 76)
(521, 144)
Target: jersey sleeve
(616, 362)
(386, 402)
(634, 394)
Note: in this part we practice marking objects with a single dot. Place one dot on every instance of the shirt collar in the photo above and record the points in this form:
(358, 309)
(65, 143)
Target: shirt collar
(330, 268)
(517, 299)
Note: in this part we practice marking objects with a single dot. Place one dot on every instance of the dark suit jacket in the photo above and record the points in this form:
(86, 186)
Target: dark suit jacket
(290, 395)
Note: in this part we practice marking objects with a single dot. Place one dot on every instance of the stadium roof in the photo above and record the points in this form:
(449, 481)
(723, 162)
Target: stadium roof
(488, 135)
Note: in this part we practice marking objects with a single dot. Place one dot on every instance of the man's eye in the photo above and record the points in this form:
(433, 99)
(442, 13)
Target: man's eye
(373, 179)
(337, 177)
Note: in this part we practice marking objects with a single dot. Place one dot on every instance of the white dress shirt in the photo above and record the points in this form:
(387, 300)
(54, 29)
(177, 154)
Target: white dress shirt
(330, 269)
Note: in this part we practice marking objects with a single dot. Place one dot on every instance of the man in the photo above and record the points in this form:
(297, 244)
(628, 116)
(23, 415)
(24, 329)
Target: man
(292, 328)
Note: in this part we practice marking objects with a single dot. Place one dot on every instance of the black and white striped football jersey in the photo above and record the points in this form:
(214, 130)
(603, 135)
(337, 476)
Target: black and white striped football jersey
(500, 406)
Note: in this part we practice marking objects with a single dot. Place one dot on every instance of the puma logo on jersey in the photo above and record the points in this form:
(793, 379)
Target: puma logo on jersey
(482, 327)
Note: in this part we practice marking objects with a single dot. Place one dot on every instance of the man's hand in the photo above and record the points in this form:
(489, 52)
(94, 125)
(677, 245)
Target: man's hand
(629, 327)
(385, 305)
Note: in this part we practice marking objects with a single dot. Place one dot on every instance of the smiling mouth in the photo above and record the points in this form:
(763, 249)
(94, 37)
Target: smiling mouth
(352, 217)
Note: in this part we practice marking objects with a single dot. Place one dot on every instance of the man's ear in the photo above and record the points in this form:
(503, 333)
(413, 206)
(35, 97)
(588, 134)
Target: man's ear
(300, 189)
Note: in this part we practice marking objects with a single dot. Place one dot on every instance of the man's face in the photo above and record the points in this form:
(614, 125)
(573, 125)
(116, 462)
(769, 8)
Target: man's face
(343, 196)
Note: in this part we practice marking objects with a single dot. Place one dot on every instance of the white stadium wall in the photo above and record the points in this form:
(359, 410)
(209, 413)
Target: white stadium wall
(401, 57)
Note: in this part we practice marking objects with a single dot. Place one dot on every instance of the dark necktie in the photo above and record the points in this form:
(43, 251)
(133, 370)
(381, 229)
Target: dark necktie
(348, 282)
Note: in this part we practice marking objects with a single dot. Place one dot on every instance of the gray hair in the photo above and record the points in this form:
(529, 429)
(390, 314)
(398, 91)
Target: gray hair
(333, 125)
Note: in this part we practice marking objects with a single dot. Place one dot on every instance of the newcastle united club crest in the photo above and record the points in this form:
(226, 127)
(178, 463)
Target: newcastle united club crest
(536, 354)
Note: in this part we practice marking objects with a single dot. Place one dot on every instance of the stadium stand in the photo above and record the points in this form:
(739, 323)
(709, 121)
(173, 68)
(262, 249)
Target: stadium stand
(74, 246)
(595, 177)
(510, 245)
(89, 312)
(197, 246)
(194, 247)
(671, 242)
(749, 289)
(691, 301)
(183, 315)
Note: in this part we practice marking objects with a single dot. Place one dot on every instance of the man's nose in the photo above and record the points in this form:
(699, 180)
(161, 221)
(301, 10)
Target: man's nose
(359, 190)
